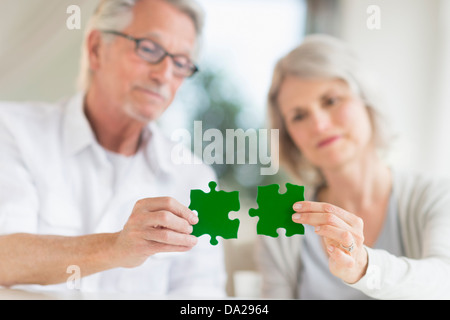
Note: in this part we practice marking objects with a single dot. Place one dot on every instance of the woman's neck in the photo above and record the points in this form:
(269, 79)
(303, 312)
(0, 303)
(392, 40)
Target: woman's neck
(357, 186)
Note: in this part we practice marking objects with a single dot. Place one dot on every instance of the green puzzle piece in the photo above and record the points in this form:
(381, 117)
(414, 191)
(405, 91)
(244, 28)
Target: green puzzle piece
(275, 210)
(213, 209)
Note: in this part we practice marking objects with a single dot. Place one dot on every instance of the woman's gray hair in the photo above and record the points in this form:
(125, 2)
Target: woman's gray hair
(117, 15)
(320, 57)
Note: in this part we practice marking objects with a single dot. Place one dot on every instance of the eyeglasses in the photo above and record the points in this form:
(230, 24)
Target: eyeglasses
(153, 53)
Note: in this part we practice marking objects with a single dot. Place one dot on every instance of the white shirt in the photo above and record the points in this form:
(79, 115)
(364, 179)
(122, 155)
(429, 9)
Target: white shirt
(56, 179)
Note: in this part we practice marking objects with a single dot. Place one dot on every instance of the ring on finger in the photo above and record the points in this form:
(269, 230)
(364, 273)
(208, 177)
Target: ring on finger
(349, 248)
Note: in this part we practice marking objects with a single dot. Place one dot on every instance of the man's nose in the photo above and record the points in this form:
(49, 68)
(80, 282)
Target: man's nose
(162, 71)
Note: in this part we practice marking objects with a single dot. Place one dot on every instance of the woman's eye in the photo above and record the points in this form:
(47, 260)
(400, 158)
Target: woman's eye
(331, 101)
(299, 117)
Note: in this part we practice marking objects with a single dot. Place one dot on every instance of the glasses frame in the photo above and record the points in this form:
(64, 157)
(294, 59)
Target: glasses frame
(138, 41)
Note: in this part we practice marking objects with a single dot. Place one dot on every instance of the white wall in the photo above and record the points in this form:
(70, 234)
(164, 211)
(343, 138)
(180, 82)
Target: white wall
(441, 145)
(407, 58)
(39, 55)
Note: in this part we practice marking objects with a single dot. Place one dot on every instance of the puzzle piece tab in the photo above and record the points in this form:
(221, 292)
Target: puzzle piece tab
(275, 210)
(213, 209)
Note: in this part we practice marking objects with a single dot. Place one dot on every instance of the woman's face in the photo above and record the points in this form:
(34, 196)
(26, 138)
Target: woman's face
(327, 122)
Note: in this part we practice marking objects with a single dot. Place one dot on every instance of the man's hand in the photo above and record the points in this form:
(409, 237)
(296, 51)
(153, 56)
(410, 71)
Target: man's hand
(155, 225)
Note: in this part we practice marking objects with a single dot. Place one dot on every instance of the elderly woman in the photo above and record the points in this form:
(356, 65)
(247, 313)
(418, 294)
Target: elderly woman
(371, 231)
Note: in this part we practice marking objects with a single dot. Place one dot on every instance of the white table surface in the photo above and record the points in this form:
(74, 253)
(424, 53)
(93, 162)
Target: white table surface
(22, 294)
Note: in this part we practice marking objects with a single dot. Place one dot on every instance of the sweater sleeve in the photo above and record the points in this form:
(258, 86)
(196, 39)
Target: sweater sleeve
(391, 277)
(279, 263)
(424, 273)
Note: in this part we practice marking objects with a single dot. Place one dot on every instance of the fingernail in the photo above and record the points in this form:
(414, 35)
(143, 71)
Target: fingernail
(193, 241)
(297, 206)
(317, 229)
(296, 216)
(193, 219)
(330, 248)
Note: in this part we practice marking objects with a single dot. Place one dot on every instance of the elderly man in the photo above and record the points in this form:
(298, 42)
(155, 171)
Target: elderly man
(89, 186)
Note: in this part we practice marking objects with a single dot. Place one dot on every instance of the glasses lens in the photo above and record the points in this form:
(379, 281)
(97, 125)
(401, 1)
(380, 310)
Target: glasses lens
(184, 66)
(150, 51)
(154, 53)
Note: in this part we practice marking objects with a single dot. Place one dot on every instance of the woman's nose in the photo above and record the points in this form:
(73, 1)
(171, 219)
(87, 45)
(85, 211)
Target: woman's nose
(320, 121)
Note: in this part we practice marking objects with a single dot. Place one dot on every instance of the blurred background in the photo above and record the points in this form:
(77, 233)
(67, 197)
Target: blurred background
(408, 52)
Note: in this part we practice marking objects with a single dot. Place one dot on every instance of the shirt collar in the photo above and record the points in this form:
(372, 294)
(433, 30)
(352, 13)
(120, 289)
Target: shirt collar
(78, 134)
(77, 130)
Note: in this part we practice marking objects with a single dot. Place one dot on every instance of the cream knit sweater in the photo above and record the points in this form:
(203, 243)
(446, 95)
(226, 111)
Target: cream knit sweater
(424, 273)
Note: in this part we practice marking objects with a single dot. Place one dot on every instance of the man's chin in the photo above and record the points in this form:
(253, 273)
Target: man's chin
(144, 114)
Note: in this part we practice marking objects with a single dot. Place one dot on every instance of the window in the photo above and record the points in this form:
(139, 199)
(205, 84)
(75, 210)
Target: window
(243, 39)
(242, 42)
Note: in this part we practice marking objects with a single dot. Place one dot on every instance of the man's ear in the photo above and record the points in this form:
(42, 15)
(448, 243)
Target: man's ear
(94, 41)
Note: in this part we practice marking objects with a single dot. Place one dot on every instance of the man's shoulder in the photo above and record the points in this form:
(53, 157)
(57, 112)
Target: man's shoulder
(31, 124)
(17, 116)
(29, 109)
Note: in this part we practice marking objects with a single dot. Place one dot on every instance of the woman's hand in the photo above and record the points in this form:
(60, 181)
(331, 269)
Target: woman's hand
(342, 233)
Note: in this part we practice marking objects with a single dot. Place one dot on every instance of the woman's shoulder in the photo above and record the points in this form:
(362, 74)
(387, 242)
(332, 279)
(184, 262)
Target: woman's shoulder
(419, 189)
(415, 180)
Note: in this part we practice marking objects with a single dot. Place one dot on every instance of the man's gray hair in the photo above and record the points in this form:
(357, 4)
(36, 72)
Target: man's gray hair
(117, 15)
